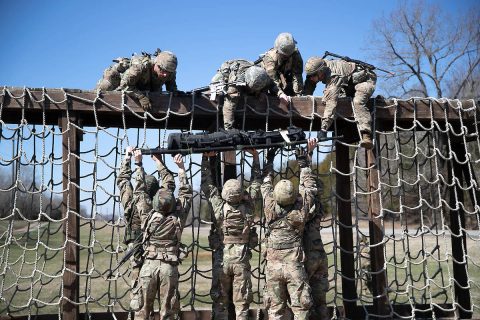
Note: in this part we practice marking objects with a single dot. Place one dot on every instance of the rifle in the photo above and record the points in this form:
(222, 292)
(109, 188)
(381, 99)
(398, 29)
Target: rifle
(215, 88)
(361, 63)
(186, 143)
(138, 245)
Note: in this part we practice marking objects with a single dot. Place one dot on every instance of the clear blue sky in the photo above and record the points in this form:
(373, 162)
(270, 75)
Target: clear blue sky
(69, 43)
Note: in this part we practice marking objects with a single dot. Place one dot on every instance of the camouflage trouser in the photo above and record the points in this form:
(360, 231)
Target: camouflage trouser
(215, 291)
(366, 275)
(283, 280)
(363, 92)
(136, 262)
(161, 278)
(235, 278)
(316, 267)
(230, 103)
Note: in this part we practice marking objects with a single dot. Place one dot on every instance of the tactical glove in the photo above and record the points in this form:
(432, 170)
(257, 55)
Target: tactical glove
(146, 104)
(302, 158)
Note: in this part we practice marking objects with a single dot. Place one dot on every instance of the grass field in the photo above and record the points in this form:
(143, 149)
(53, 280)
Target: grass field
(32, 266)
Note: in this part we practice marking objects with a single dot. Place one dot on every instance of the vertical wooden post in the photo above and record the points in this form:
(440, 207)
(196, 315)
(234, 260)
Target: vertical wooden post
(230, 172)
(70, 211)
(344, 209)
(379, 277)
(458, 236)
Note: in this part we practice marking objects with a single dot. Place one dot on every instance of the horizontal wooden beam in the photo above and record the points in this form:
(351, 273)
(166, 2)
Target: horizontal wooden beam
(38, 105)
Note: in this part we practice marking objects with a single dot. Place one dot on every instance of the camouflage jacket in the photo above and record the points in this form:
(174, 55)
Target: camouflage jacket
(284, 72)
(163, 231)
(113, 75)
(343, 76)
(312, 240)
(286, 225)
(128, 201)
(141, 77)
(234, 246)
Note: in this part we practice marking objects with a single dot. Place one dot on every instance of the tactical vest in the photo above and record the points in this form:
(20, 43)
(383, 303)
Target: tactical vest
(164, 242)
(234, 70)
(282, 235)
(235, 226)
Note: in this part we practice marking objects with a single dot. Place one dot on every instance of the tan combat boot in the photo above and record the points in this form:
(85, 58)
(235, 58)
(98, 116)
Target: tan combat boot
(366, 141)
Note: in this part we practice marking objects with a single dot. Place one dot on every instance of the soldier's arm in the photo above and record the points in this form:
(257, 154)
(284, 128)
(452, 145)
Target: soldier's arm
(297, 70)
(210, 191)
(269, 65)
(141, 197)
(309, 87)
(171, 84)
(308, 185)
(268, 199)
(130, 79)
(185, 194)
(256, 175)
(332, 91)
(125, 187)
(167, 181)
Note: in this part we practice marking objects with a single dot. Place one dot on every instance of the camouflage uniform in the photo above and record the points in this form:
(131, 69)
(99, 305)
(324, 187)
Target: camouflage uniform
(141, 77)
(113, 75)
(316, 264)
(132, 229)
(357, 82)
(286, 74)
(237, 234)
(233, 71)
(285, 271)
(159, 274)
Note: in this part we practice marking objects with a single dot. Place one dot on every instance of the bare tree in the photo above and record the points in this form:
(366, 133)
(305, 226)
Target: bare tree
(427, 49)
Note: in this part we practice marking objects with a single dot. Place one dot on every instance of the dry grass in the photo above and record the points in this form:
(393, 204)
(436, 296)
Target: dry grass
(32, 270)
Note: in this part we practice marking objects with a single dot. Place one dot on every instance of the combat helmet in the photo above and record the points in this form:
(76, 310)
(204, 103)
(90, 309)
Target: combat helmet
(284, 193)
(152, 185)
(256, 78)
(164, 201)
(167, 61)
(232, 191)
(285, 44)
(315, 65)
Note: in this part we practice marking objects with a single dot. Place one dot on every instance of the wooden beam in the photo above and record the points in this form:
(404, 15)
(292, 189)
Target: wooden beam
(345, 227)
(107, 106)
(458, 235)
(379, 276)
(70, 211)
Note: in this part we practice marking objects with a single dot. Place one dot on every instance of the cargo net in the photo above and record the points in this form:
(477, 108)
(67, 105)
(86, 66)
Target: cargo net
(418, 169)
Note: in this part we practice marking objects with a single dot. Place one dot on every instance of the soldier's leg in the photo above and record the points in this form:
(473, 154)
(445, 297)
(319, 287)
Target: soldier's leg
(230, 103)
(299, 290)
(363, 92)
(149, 283)
(136, 295)
(276, 295)
(242, 289)
(226, 278)
(216, 290)
(168, 290)
(316, 267)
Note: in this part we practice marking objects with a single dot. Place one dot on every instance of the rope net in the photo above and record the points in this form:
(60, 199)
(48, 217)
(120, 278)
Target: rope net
(419, 187)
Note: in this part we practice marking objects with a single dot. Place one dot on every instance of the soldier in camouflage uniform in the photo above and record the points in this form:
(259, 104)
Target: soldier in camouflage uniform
(316, 264)
(148, 75)
(284, 66)
(286, 214)
(133, 231)
(238, 78)
(113, 75)
(163, 220)
(234, 218)
(357, 82)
